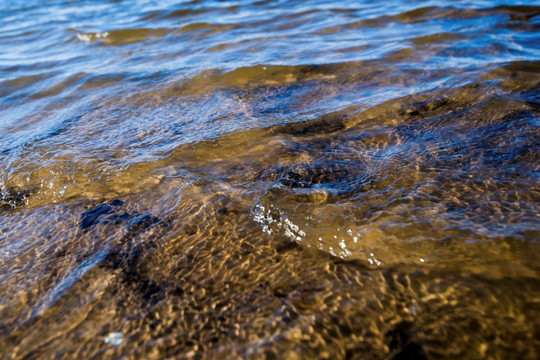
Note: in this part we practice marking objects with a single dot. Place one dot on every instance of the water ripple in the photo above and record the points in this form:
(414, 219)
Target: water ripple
(258, 179)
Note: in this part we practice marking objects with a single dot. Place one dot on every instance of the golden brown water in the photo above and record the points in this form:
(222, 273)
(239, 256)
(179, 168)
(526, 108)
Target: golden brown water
(288, 180)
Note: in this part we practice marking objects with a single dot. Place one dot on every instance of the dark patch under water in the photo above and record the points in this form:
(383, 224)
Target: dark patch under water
(270, 179)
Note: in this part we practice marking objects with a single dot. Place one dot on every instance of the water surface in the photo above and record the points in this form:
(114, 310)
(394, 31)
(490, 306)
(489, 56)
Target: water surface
(270, 179)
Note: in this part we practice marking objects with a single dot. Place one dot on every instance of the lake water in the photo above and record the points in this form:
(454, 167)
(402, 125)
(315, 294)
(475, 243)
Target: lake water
(270, 179)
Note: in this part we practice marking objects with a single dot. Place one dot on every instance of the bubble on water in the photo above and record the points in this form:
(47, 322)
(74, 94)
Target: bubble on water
(268, 217)
(91, 37)
(84, 37)
(114, 338)
(373, 260)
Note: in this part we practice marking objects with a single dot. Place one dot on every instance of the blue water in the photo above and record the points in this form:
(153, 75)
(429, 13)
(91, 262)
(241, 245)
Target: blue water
(269, 179)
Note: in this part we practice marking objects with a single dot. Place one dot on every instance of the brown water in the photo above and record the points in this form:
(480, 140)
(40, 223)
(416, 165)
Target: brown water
(289, 180)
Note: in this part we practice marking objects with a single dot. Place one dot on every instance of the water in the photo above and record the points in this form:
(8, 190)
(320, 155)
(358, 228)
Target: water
(270, 179)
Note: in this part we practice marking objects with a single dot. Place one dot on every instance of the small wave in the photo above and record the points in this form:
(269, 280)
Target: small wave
(124, 36)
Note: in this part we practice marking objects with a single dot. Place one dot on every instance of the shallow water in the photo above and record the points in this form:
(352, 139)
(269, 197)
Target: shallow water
(270, 179)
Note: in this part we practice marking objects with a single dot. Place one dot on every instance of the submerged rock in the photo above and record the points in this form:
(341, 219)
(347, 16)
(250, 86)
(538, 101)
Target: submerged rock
(110, 212)
(12, 198)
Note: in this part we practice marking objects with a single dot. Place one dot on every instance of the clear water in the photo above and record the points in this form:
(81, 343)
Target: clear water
(270, 179)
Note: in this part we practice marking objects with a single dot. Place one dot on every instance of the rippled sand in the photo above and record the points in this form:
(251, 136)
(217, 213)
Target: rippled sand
(289, 180)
